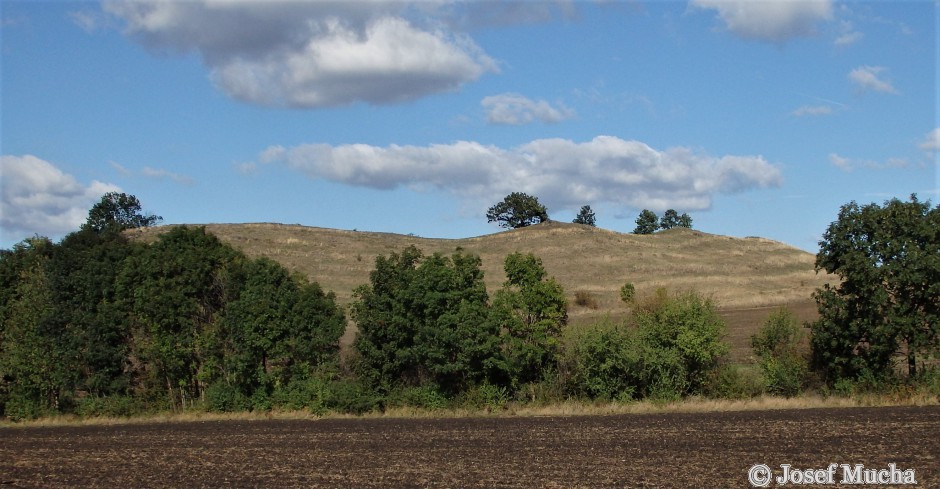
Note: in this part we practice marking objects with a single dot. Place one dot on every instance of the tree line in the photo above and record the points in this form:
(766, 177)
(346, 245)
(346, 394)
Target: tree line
(101, 324)
(518, 210)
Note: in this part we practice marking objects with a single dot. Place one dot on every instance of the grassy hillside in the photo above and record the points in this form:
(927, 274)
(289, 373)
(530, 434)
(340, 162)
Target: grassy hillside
(738, 273)
(749, 277)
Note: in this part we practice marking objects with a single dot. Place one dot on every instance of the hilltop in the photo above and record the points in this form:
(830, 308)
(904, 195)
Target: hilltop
(737, 272)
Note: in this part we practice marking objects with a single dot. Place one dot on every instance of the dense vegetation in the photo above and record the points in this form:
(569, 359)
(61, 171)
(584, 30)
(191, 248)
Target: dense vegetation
(99, 324)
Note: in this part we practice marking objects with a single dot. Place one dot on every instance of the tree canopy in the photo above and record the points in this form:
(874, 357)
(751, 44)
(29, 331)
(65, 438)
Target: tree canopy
(646, 222)
(887, 299)
(117, 212)
(517, 210)
(586, 217)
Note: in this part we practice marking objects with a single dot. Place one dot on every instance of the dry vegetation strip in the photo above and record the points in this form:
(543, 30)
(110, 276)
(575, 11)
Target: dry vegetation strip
(650, 450)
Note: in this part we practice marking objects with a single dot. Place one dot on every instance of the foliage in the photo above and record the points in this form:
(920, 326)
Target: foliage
(530, 312)
(628, 293)
(777, 346)
(674, 350)
(586, 217)
(684, 333)
(423, 321)
(117, 212)
(100, 325)
(672, 219)
(517, 210)
(887, 299)
(646, 223)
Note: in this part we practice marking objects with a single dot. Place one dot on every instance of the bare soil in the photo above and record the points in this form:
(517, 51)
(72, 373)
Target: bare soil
(648, 450)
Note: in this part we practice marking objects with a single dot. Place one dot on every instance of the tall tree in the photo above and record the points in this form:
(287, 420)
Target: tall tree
(422, 320)
(517, 210)
(887, 299)
(117, 212)
(586, 217)
(669, 220)
(685, 221)
(531, 311)
(646, 223)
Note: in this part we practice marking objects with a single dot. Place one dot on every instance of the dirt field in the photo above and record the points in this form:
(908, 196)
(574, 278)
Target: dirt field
(650, 450)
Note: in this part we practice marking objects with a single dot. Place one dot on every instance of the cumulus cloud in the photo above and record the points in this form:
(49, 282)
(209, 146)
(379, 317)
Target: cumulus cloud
(39, 198)
(769, 20)
(514, 109)
(562, 173)
(868, 78)
(310, 54)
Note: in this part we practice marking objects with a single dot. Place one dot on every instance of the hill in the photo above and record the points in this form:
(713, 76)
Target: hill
(737, 272)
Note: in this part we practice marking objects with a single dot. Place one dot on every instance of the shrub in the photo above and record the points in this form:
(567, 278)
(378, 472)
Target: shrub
(222, 397)
(683, 336)
(584, 298)
(350, 396)
(426, 397)
(777, 344)
(604, 362)
(731, 381)
(628, 293)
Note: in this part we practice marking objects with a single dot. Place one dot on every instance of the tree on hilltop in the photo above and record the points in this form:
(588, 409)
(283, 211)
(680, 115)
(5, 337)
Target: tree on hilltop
(646, 223)
(586, 217)
(517, 210)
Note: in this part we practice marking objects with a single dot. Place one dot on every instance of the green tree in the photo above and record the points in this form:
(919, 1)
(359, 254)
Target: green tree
(887, 299)
(777, 346)
(646, 223)
(669, 220)
(83, 272)
(685, 221)
(277, 327)
(530, 311)
(175, 292)
(118, 211)
(422, 321)
(586, 217)
(517, 210)
(683, 336)
(35, 371)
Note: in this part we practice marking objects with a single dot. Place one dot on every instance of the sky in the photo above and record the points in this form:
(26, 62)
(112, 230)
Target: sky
(757, 118)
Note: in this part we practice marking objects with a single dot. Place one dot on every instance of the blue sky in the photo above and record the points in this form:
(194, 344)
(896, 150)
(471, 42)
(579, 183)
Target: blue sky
(757, 118)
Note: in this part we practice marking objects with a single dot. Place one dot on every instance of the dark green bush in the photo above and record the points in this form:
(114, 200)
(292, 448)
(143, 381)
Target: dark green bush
(225, 398)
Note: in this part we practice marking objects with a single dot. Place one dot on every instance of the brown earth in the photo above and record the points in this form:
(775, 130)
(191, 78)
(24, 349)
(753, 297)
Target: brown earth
(647, 450)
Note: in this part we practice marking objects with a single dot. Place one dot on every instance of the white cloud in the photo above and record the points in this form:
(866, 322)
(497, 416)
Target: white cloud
(770, 20)
(867, 78)
(812, 110)
(39, 198)
(310, 54)
(931, 142)
(847, 34)
(154, 174)
(850, 164)
(562, 173)
(514, 109)
(160, 174)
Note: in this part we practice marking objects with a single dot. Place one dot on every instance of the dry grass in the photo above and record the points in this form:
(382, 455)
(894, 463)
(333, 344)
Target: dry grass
(748, 272)
(566, 408)
(747, 277)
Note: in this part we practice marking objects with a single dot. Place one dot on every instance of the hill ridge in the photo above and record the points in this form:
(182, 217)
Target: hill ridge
(737, 272)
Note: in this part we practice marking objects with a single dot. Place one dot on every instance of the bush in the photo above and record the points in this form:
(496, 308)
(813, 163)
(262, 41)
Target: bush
(735, 382)
(604, 362)
(628, 293)
(683, 338)
(425, 397)
(584, 298)
(350, 396)
(114, 406)
(777, 344)
(222, 397)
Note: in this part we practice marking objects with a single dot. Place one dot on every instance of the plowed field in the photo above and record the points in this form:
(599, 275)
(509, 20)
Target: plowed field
(650, 450)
